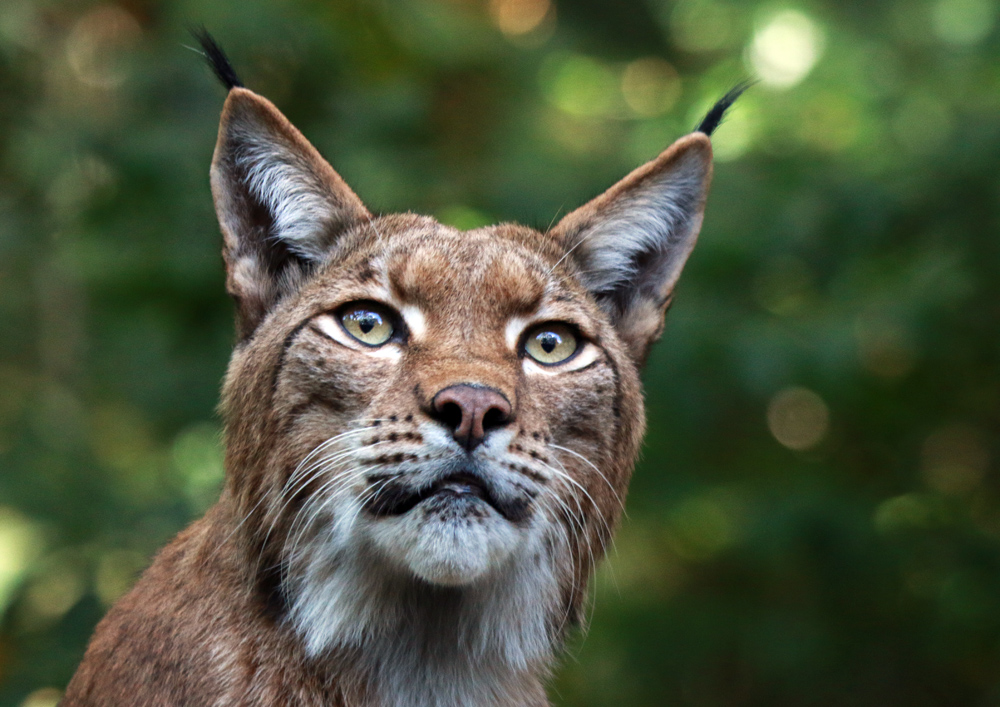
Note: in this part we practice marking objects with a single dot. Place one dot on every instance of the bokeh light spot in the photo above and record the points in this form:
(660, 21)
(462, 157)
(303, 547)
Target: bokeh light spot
(798, 418)
(516, 17)
(906, 512)
(55, 589)
(123, 440)
(198, 459)
(650, 86)
(784, 286)
(884, 347)
(964, 22)
(574, 135)
(45, 697)
(76, 185)
(20, 542)
(736, 136)
(642, 567)
(579, 85)
(21, 24)
(786, 48)
(954, 459)
(96, 46)
(701, 527)
(701, 25)
(117, 571)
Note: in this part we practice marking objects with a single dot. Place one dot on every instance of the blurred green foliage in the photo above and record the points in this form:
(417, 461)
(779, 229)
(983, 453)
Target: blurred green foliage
(817, 515)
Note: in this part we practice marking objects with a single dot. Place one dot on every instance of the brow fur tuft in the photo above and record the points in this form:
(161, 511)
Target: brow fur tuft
(216, 58)
(714, 117)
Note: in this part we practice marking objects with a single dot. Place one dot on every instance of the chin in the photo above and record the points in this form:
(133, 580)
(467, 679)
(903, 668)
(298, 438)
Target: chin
(449, 539)
(455, 549)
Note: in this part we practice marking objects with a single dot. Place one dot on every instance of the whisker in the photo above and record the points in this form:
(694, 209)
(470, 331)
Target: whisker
(279, 514)
(607, 528)
(323, 466)
(568, 477)
(579, 533)
(319, 448)
(593, 466)
(608, 535)
(263, 496)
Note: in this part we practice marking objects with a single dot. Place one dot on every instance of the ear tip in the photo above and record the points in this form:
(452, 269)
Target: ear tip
(240, 93)
(697, 140)
(695, 145)
(242, 104)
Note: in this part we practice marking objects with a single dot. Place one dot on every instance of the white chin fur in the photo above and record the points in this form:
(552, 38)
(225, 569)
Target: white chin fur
(446, 608)
(446, 546)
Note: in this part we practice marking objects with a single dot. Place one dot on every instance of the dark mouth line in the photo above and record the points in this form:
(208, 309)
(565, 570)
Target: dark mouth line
(396, 498)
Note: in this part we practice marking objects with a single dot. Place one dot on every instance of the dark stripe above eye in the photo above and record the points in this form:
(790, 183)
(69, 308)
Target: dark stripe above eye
(285, 345)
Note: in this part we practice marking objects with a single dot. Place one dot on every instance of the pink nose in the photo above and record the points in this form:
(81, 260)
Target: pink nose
(470, 412)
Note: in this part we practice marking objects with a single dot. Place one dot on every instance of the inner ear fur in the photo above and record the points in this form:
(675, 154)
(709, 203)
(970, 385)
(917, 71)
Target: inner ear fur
(280, 205)
(630, 243)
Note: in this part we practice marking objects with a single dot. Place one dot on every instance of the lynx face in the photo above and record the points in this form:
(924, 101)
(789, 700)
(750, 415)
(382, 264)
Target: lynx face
(454, 412)
(430, 432)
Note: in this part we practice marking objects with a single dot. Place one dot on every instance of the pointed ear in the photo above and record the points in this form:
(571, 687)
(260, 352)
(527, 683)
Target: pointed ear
(631, 242)
(280, 205)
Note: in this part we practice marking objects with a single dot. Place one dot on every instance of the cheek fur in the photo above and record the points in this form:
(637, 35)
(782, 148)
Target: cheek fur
(317, 372)
(577, 405)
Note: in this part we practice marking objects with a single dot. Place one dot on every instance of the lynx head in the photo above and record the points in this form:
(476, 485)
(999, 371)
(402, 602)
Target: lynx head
(430, 432)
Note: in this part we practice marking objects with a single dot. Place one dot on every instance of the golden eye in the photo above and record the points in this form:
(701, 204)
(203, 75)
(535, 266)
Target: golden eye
(368, 323)
(551, 343)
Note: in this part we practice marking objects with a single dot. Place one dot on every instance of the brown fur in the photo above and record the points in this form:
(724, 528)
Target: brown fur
(213, 620)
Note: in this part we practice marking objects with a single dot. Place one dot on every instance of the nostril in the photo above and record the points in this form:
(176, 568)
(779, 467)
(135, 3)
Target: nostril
(449, 414)
(495, 417)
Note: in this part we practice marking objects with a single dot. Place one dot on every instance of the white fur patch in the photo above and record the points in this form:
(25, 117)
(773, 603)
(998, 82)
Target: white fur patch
(514, 331)
(415, 321)
(301, 208)
(643, 239)
(380, 588)
(446, 551)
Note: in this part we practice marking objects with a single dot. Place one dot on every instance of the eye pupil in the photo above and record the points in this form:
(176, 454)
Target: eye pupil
(551, 343)
(366, 323)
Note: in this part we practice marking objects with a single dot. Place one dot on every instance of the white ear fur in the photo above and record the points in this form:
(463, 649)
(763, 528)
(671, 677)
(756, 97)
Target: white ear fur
(262, 161)
(280, 204)
(302, 211)
(645, 239)
(631, 243)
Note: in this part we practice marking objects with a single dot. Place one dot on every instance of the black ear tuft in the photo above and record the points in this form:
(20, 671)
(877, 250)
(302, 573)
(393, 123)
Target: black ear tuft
(714, 117)
(216, 58)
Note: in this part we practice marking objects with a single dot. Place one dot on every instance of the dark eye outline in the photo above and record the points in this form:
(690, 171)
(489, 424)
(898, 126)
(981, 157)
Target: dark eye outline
(400, 333)
(528, 333)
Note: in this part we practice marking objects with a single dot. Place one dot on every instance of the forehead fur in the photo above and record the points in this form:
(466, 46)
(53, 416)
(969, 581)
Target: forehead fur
(425, 263)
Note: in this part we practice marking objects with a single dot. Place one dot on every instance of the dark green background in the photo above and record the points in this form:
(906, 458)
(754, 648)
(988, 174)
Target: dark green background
(816, 517)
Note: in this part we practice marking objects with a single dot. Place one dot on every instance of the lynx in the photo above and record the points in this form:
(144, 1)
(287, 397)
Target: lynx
(429, 438)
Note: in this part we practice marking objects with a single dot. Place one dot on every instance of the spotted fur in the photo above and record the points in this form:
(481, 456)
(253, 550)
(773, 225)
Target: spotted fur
(295, 588)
